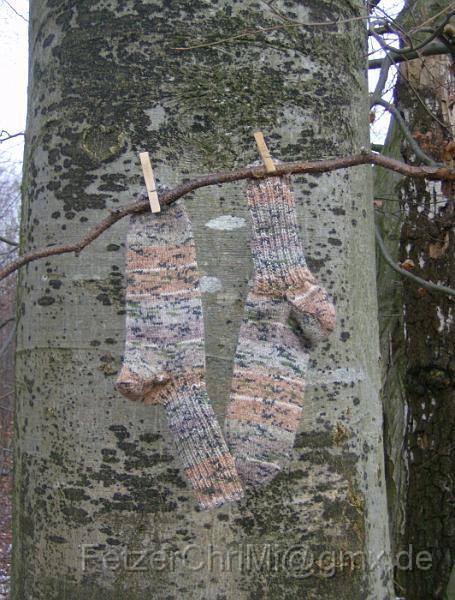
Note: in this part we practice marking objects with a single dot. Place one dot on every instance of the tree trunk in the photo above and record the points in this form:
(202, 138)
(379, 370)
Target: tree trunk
(391, 335)
(418, 332)
(427, 238)
(96, 474)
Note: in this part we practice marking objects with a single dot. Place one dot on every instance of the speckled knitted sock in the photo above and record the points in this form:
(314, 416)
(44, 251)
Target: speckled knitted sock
(280, 267)
(286, 313)
(164, 359)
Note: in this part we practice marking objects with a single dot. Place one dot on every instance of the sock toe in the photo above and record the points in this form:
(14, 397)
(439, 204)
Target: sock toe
(129, 384)
(256, 472)
(314, 311)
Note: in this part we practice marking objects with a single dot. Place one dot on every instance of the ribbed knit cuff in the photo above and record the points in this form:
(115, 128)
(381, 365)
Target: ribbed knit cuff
(201, 447)
(278, 257)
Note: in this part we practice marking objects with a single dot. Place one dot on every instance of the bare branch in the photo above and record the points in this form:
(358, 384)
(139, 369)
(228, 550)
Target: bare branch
(433, 17)
(394, 24)
(420, 154)
(372, 4)
(389, 260)
(434, 33)
(9, 136)
(381, 27)
(435, 48)
(10, 320)
(382, 79)
(7, 241)
(7, 342)
(391, 57)
(423, 104)
(15, 11)
(435, 173)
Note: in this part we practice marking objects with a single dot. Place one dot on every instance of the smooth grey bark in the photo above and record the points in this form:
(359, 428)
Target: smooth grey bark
(93, 468)
(391, 336)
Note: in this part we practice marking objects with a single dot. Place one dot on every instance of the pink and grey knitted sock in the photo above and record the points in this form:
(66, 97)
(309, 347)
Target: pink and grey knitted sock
(270, 364)
(164, 359)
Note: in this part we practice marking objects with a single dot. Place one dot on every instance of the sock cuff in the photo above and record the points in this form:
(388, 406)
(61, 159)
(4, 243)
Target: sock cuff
(171, 227)
(278, 257)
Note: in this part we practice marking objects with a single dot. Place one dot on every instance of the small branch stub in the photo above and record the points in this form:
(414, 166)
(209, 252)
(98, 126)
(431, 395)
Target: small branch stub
(264, 152)
(150, 182)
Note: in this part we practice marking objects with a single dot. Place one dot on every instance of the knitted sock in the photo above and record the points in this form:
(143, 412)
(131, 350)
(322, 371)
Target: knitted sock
(280, 267)
(164, 359)
(286, 313)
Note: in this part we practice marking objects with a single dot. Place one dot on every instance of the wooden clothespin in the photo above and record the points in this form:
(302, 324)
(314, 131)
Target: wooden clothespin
(264, 152)
(150, 182)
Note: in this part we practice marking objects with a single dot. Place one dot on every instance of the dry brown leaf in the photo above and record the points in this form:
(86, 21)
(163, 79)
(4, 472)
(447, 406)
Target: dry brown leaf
(439, 248)
(408, 264)
(448, 152)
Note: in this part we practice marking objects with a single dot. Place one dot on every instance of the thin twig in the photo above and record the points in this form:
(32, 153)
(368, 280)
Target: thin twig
(434, 173)
(420, 154)
(15, 11)
(9, 136)
(393, 22)
(382, 79)
(444, 10)
(423, 104)
(7, 342)
(10, 320)
(7, 241)
(389, 260)
(12, 250)
(433, 49)
(381, 27)
(411, 48)
(376, 97)
(249, 32)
